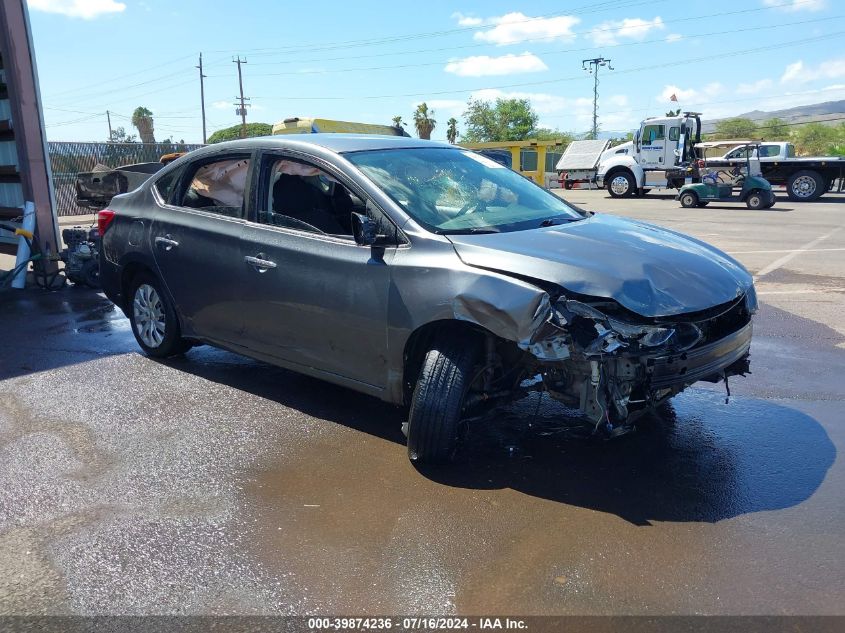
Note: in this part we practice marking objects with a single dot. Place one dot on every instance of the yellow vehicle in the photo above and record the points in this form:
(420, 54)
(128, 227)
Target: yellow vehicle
(298, 125)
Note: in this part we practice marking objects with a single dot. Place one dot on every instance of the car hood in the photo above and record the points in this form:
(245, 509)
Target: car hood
(647, 269)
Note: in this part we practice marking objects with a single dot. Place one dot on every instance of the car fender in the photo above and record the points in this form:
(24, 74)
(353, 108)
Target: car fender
(622, 162)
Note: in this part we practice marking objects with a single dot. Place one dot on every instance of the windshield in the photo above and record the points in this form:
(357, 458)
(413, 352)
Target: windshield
(459, 191)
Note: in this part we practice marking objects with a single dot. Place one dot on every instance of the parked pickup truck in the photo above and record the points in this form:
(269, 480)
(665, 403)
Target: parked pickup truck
(805, 178)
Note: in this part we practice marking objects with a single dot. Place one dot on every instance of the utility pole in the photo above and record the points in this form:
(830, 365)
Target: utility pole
(242, 106)
(593, 65)
(108, 117)
(202, 99)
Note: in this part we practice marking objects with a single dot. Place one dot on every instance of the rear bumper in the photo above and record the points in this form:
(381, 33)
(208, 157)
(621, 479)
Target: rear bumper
(701, 363)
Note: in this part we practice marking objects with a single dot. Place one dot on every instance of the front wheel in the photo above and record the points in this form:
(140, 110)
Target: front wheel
(621, 184)
(689, 200)
(437, 405)
(755, 200)
(153, 319)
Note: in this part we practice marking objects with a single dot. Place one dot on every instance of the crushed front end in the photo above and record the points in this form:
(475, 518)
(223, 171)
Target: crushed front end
(614, 365)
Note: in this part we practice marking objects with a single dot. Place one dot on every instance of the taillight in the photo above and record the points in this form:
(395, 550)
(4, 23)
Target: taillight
(104, 219)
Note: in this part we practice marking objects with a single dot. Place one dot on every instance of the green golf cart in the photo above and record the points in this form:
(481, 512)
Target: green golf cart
(719, 178)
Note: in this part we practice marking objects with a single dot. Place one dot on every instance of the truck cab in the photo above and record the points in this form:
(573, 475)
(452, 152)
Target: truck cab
(661, 156)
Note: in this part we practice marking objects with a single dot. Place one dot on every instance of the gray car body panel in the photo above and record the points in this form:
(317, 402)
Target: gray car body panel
(645, 268)
(349, 318)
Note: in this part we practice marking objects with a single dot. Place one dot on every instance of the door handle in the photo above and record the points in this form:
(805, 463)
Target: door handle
(260, 264)
(167, 242)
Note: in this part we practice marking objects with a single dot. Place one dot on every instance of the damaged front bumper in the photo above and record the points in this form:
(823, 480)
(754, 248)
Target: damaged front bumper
(613, 369)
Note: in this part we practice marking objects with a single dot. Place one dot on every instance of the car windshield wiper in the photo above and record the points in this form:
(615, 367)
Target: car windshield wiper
(554, 221)
(474, 230)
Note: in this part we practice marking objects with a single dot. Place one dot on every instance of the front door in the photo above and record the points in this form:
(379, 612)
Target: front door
(310, 294)
(196, 243)
(653, 147)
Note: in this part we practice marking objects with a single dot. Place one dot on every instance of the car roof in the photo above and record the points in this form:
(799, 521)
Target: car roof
(339, 143)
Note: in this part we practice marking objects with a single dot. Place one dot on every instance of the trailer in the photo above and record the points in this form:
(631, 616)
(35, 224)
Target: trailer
(580, 161)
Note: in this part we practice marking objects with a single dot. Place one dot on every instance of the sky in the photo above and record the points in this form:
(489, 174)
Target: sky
(369, 61)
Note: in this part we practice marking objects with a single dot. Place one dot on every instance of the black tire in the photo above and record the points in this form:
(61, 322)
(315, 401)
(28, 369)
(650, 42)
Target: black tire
(438, 400)
(91, 273)
(805, 186)
(615, 187)
(689, 199)
(171, 342)
(756, 200)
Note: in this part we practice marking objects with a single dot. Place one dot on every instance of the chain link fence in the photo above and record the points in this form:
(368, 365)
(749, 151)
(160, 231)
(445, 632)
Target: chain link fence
(68, 159)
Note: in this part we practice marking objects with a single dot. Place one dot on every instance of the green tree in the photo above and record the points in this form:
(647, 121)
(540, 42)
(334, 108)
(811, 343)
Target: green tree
(504, 120)
(119, 135)
(815, 139)
(673, 112)
(547, 134)
(452, 130)
(398, 122)
(775, 130)
(423, 121)
(234, 132)
(142, 118)
(737, 128)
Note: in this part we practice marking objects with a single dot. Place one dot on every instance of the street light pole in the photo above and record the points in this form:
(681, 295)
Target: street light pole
(593, 65)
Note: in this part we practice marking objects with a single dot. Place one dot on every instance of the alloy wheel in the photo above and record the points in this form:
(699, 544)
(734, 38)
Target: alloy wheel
(148, 311)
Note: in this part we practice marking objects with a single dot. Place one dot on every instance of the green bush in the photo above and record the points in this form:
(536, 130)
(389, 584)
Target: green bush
(234, 133)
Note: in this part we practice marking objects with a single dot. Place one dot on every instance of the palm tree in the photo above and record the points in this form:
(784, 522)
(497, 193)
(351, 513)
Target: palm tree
(398, 122)
(452, 130)
(423, 121)
(142, 119)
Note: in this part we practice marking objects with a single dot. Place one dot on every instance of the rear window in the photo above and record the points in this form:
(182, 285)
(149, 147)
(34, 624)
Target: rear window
(166, 185)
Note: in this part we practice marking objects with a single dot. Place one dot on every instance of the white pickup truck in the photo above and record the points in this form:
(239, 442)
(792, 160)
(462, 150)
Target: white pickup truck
(805, 178)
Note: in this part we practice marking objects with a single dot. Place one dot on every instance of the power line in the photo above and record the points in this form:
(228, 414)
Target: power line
(552, 52)
(750, 51)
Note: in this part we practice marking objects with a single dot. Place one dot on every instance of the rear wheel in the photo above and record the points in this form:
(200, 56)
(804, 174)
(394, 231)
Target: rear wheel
(689, 200)
(805, 185)
(621, 184)
(153, 319)
(756, 200)
(438, 402)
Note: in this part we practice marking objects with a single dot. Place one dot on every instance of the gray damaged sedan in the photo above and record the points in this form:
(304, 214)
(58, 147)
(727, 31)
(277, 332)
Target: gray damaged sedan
(423, 274)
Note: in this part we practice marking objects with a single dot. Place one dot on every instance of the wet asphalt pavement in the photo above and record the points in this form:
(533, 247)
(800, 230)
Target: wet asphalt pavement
(213, 483)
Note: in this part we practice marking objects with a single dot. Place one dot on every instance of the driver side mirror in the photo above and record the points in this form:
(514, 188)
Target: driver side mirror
(363, 229)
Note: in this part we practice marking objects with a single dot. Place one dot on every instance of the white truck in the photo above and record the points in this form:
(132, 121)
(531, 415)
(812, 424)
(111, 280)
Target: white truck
(661, 155)
(805, 177)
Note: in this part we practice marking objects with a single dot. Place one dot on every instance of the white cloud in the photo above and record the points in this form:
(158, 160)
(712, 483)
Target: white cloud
(798, 73)
(467, 20)
(797, 5)
(674, 37)
(755, 87)
(484, 65)
(516, 27)
(86, 9)
(691, 96)
(610, 32)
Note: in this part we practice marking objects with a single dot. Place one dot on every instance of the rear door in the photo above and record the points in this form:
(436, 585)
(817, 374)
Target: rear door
(312, 296)
(195, 238)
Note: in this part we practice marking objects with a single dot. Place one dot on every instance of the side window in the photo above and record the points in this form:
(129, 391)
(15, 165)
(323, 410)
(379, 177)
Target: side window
(301, 196)
(767, 151)
(218, 187)
(166, 185)
(653, 133)
(674, 133)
